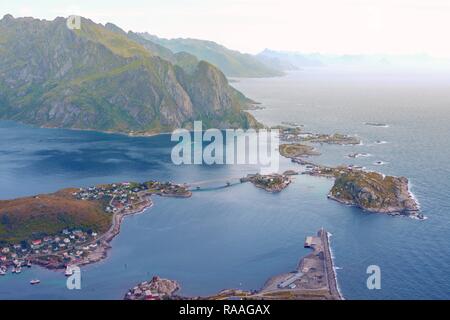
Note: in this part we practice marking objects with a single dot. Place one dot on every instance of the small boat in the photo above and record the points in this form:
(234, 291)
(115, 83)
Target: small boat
(69, 271)
(16, 270)
(35, 281)
(2, 271)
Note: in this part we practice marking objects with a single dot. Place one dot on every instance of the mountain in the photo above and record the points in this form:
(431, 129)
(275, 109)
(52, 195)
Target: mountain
(289, 60)
(284, 60)
(272, 58)
(102, 78)
(232, 63)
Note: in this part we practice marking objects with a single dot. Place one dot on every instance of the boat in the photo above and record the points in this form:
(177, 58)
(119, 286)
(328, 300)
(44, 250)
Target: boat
(16, 270)
(2, 271)
(69, 271)
(35, 281)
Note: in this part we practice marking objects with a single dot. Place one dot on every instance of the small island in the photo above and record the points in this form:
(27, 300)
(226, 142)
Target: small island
(297, 135)
(358, 155)
(270, 182)
(297, 150)
(155, 289)
(371, 191)
(376, 124)
(368, 190)
(375, 192)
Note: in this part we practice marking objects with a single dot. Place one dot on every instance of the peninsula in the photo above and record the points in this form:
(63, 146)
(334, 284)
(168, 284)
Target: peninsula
(72, 226)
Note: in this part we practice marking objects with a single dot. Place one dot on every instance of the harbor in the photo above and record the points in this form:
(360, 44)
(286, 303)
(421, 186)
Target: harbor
(314, 278)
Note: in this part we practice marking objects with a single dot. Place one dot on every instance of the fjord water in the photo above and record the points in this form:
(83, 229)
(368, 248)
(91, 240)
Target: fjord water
(238, 237)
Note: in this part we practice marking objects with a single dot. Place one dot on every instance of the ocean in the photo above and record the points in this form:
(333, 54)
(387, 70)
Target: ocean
(238, 237)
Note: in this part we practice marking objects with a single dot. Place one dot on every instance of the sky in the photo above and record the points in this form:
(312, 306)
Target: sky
(325, 26)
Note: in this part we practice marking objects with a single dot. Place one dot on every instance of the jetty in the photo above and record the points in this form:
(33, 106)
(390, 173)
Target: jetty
(314, 277)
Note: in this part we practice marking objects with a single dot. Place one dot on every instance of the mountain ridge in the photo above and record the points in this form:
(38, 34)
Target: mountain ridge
(233, 63)
(100, 78)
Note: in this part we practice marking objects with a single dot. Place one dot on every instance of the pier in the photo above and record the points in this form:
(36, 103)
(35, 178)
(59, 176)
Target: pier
(314, 277)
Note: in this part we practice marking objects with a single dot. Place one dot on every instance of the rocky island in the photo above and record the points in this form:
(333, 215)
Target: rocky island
(270, 182)
(155, 289)
(376, 124)
(297, 135)
(375, 192)
(353, 185)
(371, 191)
(297, 150)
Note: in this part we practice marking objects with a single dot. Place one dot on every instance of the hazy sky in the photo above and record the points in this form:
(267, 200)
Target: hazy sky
(329, 26)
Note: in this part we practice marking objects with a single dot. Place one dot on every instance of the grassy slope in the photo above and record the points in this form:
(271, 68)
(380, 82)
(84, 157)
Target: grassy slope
(23, 218)
(384, 188)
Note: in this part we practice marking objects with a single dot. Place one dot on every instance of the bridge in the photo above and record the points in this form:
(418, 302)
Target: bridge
(213, 184)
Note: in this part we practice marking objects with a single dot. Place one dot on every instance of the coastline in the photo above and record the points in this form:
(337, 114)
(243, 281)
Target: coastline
(77, 247)
(101, 252)
(333, 267)
(128, 134)
(393, 213)
(315, 278)
(112, 233)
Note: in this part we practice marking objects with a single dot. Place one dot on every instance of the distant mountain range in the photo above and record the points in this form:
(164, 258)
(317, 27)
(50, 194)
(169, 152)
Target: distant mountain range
(232, 63)
(284, 60)
(100, 77)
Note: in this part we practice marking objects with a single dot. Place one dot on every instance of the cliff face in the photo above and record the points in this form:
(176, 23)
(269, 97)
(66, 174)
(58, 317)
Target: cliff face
(374, 192)
(100, 78)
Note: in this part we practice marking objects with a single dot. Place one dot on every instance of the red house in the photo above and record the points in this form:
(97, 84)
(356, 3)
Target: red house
(37, 242)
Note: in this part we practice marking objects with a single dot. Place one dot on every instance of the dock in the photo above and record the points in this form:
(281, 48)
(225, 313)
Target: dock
(314, 277)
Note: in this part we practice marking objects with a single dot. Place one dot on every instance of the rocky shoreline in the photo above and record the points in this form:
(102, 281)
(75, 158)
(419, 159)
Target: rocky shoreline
(374, 192)
(271, 182)
(371, 191)
(155, 289)
(120, 200)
